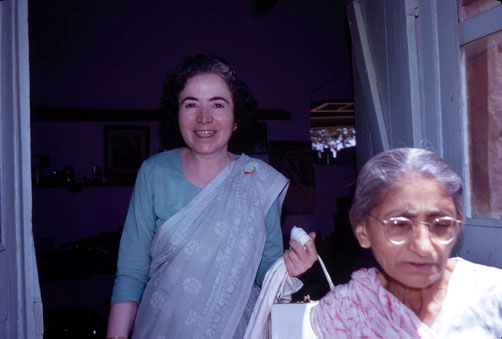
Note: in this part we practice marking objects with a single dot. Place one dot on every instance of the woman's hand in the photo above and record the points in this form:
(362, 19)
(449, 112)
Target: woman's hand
(297, 259)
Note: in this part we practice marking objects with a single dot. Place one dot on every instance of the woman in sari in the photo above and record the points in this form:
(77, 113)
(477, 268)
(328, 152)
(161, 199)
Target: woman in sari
(408, 210)
(203, 224)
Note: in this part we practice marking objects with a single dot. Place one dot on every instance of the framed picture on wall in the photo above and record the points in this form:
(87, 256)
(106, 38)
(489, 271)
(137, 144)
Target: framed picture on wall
(294, 160)
(125, 149)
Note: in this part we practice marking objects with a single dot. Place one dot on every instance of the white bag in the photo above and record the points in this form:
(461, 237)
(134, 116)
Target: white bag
(273, 319)
(292, 320)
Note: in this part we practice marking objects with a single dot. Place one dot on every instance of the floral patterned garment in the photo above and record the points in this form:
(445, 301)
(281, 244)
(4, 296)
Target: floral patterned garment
(205, 257)
(363, 308)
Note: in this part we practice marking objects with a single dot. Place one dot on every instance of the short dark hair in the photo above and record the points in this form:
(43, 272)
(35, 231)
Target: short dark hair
(379, 175)
(197, 64)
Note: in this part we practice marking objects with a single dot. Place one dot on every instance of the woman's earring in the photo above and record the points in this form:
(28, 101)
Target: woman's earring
(235, 127)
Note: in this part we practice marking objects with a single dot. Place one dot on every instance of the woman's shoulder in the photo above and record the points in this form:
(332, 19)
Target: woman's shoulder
(473, 305)
(256, 165)
(362, 279)
(163, 160)
(479, 272)
(349, 309)
(476, 282)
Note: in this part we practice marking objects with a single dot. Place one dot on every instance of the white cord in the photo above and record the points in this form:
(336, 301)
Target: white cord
(330, 282)
(298, 234)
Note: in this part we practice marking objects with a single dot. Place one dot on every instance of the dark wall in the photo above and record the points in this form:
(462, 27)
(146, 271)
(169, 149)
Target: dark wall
(116, 54)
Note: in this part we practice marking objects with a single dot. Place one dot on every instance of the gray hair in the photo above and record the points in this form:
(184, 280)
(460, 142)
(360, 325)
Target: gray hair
(380, 173)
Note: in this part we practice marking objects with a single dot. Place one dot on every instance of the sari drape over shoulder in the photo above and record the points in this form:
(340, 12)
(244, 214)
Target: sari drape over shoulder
(363, 308)
(205, 257)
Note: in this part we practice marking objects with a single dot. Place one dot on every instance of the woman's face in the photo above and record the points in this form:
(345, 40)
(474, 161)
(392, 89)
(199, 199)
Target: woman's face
(420, 261)
(206, 114)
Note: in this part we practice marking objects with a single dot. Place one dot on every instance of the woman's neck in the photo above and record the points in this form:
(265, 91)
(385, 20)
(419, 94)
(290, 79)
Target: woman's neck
(426, 302)
(199, 169)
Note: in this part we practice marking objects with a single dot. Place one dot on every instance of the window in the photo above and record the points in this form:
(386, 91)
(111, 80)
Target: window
(471, 8)
(332, 131)
(483, 85)
(480, 34)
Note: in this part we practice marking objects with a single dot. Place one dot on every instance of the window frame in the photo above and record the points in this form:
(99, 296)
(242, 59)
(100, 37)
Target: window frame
(474, 28)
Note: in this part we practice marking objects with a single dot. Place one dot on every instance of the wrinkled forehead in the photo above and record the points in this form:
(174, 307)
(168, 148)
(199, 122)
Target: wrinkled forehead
(410, 178)
(417, 192)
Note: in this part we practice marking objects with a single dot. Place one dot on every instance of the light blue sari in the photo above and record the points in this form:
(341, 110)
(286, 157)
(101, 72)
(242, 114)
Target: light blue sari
(205, 257)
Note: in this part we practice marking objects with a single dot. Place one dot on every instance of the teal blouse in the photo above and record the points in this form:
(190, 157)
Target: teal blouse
(161, 190)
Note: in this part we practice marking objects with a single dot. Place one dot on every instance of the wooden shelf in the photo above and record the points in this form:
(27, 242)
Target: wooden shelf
(77, 187)
(99, 114)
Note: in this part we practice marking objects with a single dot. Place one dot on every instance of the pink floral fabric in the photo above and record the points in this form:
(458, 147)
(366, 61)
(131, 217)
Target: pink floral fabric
(363, 308)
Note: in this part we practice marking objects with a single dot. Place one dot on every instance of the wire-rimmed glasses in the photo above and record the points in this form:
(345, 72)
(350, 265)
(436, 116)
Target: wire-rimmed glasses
(398, 230)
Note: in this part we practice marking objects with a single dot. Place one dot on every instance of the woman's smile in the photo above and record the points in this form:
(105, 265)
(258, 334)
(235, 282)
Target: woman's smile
(206, 115)
(205, 133)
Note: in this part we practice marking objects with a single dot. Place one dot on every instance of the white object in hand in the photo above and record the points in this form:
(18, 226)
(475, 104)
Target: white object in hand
(298, 234)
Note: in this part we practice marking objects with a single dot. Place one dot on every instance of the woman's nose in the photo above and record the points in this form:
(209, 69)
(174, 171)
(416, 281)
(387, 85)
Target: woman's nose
(204, 115)
(420, 241)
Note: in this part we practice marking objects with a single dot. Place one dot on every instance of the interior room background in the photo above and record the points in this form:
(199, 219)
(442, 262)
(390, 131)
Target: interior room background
(96, 67)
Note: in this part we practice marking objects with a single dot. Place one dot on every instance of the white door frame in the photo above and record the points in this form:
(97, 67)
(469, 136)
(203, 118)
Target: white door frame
(20, 302)
(408, 91)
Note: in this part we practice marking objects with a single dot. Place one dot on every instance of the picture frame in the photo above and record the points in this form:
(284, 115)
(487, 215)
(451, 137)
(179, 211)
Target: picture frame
(294, 160)
(125, 149)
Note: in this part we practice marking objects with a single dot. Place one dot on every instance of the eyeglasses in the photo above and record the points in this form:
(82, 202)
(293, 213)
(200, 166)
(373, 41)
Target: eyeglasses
(398, 230)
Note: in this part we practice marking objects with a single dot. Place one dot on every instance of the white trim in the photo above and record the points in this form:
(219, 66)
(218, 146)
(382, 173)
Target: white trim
(450, 84)
(412, 13)
(465, 133)
(365, 67)
(481, 25)
(429, 73)
(485, 222)
(24, 314)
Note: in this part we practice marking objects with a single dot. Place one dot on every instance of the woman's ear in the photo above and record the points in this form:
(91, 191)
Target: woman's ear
(362, 236)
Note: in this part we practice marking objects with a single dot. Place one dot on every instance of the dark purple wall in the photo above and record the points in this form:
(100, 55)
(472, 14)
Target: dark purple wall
(116, 54)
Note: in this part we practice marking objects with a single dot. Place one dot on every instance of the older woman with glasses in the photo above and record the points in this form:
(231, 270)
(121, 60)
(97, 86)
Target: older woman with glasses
(408, 210)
